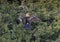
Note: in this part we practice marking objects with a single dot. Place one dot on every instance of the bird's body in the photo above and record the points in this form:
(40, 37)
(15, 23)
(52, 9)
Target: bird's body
(28, 19)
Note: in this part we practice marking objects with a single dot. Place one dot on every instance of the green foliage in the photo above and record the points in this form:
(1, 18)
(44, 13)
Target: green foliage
(44, 9)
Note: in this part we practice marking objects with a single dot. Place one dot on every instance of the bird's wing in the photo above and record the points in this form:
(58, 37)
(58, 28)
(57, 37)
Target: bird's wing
(34, 18)
(20, 19)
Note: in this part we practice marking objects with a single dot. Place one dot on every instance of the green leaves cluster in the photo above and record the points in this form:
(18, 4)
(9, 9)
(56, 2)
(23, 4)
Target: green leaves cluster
(44, 9)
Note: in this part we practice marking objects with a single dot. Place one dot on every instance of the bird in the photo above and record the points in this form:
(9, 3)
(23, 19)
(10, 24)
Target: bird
(28, 19)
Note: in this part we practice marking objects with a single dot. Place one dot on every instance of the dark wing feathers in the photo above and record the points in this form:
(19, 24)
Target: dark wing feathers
(30, 19)
(33, 18)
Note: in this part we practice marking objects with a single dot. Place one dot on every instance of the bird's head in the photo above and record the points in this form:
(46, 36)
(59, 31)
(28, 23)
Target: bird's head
(28, 14)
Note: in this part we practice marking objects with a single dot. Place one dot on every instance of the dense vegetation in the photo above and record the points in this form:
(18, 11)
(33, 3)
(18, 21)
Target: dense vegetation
(47, 30)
